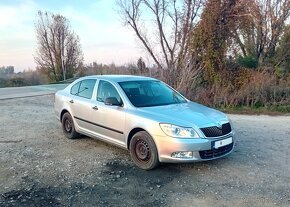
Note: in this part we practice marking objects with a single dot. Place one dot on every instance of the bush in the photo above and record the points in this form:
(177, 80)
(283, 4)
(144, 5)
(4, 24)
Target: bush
(247, 88)
(247, 62)
(16, 82)
(2, 82)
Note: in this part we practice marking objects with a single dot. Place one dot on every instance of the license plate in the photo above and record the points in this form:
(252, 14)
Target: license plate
(223, 142)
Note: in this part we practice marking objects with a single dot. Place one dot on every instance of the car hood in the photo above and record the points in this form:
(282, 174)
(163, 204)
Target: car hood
(188, 115)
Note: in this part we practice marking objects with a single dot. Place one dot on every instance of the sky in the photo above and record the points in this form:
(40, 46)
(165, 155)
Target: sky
(104, 37)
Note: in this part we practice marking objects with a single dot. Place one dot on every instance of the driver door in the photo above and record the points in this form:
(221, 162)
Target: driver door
(110, 120)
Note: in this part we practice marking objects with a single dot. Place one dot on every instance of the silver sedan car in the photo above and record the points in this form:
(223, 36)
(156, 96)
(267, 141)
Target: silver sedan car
(146, 116)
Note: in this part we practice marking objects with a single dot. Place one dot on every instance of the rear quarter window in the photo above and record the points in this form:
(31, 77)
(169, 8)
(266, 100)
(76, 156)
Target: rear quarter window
(75, 89)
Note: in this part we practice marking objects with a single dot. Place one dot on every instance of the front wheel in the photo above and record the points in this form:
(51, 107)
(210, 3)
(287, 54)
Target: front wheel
(143, 151)
(68, 126)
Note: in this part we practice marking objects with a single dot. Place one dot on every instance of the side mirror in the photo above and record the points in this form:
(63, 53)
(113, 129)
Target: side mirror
(113, 101)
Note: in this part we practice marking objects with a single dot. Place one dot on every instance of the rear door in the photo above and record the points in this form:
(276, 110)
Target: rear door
(81, 103)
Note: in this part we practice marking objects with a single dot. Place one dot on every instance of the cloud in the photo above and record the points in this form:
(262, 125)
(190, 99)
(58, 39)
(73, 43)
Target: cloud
(16, 14)
(103, 37)
(17, 34)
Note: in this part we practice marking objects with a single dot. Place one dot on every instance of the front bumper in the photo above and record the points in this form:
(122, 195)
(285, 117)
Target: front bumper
(201, 148)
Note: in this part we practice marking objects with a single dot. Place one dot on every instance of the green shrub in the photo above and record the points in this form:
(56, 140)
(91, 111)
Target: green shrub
(248, 62)
(16, 82)
(2, 82)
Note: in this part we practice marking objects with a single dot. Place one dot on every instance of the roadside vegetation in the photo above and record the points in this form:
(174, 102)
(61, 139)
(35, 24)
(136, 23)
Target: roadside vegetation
(9, 78)
(229, 54)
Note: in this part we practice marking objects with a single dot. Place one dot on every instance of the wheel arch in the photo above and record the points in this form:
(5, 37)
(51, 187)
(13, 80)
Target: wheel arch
(132, 133)
(62, 113)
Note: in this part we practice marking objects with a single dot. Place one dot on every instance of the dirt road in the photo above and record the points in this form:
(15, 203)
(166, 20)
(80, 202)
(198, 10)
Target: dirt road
(40, 167)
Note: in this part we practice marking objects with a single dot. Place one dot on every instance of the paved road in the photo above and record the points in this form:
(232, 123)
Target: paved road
(29, 91)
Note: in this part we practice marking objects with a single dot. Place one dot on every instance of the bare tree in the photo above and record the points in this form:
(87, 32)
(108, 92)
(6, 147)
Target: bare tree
(141, 65)
(260, 26)
(59, 53)
(164, 29)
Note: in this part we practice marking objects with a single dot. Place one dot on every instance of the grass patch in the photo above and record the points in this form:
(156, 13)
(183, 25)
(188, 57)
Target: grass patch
(268, 110)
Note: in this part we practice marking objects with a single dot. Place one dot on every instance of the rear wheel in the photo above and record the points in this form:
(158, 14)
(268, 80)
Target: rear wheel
(68, 126)
(143, 151)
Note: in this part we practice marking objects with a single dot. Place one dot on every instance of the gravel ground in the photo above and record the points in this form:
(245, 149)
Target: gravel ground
(40, 167)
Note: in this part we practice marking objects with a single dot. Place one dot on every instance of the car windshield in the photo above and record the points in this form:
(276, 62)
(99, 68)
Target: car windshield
(145, 93)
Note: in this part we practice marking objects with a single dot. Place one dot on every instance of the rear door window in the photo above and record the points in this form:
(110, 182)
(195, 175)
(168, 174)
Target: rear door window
(84, 88)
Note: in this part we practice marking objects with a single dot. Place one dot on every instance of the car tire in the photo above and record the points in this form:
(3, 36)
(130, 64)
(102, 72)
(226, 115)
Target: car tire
(143, 151)
(68, 126)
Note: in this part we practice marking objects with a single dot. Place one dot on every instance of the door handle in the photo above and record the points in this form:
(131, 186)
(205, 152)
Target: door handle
(71, 101)
(95, 108)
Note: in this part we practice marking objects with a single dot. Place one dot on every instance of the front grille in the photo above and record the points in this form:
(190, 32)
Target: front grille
(208, 154)
(215, 131)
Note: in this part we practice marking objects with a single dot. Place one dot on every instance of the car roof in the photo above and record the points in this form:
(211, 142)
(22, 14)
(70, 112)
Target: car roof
(119, 78)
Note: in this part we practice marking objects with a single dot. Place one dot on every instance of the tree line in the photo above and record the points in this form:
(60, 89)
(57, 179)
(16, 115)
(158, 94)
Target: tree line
(223, 53)
(9, 78)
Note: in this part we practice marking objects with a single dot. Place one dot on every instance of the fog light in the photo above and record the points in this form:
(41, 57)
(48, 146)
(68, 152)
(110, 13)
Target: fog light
(181, 154)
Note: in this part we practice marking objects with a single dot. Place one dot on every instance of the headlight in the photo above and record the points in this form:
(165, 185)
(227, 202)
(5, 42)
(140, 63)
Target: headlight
(178, 132)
